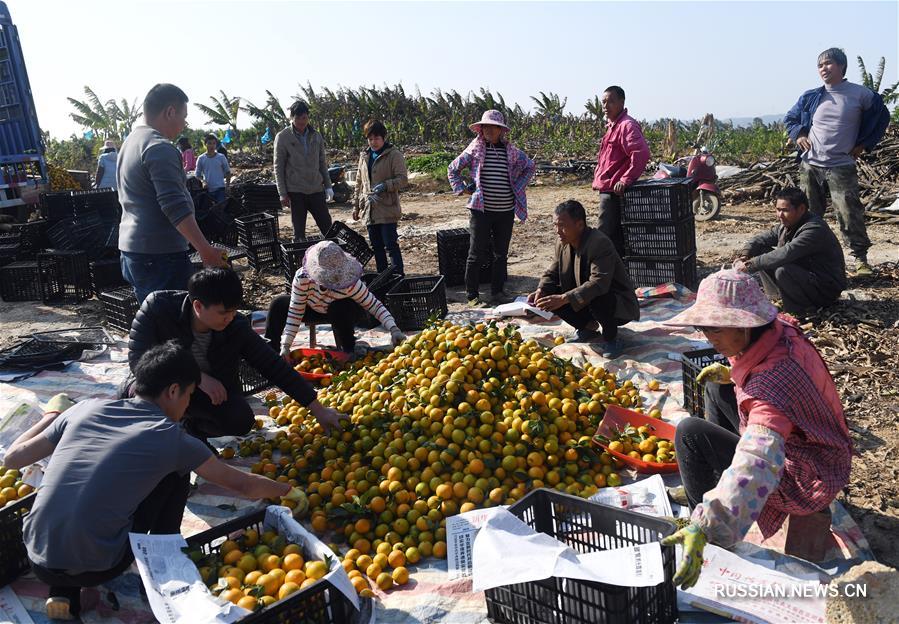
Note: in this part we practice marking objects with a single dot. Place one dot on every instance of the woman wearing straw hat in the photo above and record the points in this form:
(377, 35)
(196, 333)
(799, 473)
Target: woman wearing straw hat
(106, 166)
(793, 452)
(327, 289)
(500, 173)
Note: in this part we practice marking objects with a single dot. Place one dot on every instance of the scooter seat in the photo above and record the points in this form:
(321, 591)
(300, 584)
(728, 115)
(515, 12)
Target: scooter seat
(674, 171)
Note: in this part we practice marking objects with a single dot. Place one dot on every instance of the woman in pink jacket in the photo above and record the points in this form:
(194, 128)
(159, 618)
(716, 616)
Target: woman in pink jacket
(793, 452)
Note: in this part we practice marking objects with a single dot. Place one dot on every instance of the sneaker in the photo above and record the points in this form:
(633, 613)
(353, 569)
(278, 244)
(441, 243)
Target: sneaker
(587, 335)
(476, 302)
(863, 269)
(611, 349)
(501, 297)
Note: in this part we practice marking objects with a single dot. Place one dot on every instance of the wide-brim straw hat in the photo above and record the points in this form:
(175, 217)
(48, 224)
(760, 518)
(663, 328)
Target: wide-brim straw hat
(728, 298)
(491, 117)
(330, 266)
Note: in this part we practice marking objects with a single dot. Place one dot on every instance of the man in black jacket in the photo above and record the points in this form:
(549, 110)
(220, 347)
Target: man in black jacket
(205, 321)
(800, 261)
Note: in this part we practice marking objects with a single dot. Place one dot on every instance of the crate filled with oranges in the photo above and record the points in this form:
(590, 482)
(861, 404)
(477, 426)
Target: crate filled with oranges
(270, 566)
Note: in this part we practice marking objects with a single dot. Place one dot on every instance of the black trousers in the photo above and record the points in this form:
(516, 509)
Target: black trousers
(314, 204)
(601, 310)
(704, 451)
(721, 406)
(341, 316)
(233, 417)
(800, 290)
(491, 233)
(610, 220)
(159, 513)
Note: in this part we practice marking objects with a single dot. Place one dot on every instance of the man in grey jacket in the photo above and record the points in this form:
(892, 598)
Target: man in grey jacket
(800, 260)
(157, 211)
(301, 172)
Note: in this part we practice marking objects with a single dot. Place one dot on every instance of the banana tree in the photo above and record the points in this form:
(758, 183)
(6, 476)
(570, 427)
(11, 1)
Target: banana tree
(223, 112)
(890, 95)
(93, 114)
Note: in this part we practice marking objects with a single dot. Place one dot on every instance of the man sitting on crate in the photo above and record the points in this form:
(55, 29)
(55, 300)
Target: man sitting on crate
(587, 284)
(328, 288)
(622, 157)
(800, 260)
(117, 467)
(205, 320)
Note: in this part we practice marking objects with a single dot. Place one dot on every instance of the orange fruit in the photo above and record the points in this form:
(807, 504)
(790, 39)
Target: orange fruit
(252, 577)
(316, 569)
(269, 584)
(292, 561)
(247, 563)
(400, 575)
(412, 555)
(295, 576)
(396, 559)
(248, 602)
(373, 571)
(270, 562)
(359, 583)
(287, 589)
(232, 557)
(231, 595)
(363, 525)
(384, 581)
(440, 550)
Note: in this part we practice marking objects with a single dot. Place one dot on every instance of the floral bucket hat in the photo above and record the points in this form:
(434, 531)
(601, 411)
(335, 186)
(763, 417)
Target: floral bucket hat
(490, 118)
(728, 298)
(329, 266)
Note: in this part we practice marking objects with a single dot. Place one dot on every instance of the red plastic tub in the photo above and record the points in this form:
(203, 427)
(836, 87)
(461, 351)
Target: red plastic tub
(620, 418)
(338, 356)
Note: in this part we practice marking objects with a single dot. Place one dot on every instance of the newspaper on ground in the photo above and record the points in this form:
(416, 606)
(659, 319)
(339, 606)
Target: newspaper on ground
(12, 611)
(507, 551)
(176, 592)
(16, 419)
(734, 587)
(461, 530)
(648, 496)
(521, 307)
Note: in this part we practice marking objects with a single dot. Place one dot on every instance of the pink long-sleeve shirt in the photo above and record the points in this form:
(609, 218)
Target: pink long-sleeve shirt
(623, 154)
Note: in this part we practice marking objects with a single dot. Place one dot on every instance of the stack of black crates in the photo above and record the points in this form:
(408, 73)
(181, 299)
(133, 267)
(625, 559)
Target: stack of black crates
(659, 232)
(258, 234)
(452, 256)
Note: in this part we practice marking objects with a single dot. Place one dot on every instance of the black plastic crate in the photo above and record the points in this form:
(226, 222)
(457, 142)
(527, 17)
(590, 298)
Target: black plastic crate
(379, 284)
(13, 556)
(652, 271)
(56, 206)
(265, 256)
(660, 239)
(65, 276)
(668, 200)
(256, 229)
(87, 336)
(233, 253)
(106, 275)
(320, 603)
(692, 362)
(20, 281)
(586, 527)
(251, 381)
(119, 307)
(10, 248)
(413, 300)
(36, 355)
(292, 253)
(355, 243)
(33, 238)
(452, 257)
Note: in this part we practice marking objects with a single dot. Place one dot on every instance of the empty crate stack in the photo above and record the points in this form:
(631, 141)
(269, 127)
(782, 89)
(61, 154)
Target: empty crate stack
(659, 232)
(452, 256)
(258, 234)
(256, 198)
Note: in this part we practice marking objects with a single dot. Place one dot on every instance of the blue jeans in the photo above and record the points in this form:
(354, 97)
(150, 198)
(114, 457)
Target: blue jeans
(218, 195)
(383, 236)
(151, 272)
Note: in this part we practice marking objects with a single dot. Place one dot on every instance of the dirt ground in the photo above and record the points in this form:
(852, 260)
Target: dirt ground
(858, 337)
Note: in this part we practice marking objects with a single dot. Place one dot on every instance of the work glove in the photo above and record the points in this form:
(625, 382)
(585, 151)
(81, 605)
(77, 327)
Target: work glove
(379, 188)
(329, 194)
(298, 498)
(717, 372)
(471, 187)
(397, 337)
(693, 541)
(59, 403)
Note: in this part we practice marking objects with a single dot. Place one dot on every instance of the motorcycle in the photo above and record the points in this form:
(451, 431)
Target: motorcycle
(342, 190)
(701, 168)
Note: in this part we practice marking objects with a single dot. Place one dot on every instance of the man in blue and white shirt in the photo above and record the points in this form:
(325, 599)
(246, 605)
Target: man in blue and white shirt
(213, 169)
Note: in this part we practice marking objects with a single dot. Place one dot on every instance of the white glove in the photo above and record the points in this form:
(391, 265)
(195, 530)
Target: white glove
(329, 194)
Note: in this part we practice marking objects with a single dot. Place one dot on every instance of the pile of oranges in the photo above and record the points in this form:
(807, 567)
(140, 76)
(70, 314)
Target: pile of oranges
(12, 487)
(640, 443)
(386, 569)
(455, 418)
(256, 571)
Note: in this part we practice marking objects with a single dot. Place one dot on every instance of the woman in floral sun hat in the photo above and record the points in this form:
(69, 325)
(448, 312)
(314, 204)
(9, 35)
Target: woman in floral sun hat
(500, 173)
(781, 446)
(327, 289)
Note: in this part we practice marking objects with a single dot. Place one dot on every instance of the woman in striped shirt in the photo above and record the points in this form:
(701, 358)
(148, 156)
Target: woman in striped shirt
(326, 289)
(501, 173)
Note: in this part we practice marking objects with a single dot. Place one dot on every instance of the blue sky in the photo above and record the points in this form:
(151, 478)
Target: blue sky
(674, 59)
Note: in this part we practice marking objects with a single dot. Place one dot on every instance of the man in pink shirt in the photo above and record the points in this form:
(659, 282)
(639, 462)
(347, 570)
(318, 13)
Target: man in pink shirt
(622, 157)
